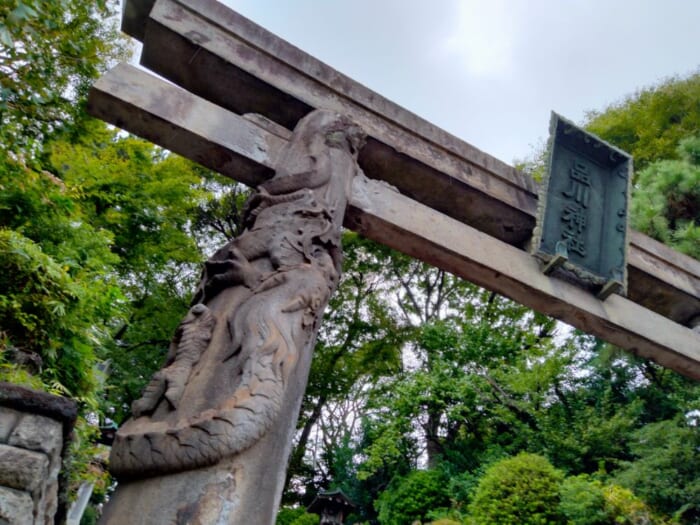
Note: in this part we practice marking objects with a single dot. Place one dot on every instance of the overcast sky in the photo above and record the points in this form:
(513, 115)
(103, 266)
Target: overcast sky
(490, 71)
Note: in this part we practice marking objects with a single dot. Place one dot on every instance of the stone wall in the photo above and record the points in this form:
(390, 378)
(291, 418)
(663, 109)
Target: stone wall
(34, 427)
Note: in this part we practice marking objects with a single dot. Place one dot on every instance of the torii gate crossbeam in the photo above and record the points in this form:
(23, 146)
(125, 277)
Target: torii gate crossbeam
(225, 61)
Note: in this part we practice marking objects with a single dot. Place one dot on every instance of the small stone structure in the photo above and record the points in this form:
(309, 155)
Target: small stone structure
(34, 427)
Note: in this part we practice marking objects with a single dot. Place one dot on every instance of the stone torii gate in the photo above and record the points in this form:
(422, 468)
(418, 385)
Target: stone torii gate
(210, 438)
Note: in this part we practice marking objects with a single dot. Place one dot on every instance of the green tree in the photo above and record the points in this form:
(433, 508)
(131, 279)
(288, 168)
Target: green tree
(143, 198)
(586, 501)
(57, 294)
(522, 489)
(666, 200)
(50, 52)
(664, 469)
(650, 123)
(412, 497)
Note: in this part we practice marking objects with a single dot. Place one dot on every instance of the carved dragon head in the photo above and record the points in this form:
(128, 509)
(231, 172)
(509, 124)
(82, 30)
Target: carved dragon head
(339, 130)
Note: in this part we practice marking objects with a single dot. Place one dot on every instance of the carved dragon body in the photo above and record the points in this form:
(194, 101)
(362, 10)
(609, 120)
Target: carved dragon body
(279, 274)
(191, 339)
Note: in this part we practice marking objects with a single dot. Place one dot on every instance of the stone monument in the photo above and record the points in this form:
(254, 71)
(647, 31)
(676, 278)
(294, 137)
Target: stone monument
(34, 431)
(217, 421)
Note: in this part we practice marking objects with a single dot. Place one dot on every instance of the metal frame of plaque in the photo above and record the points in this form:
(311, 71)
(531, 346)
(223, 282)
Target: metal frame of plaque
(581, 232)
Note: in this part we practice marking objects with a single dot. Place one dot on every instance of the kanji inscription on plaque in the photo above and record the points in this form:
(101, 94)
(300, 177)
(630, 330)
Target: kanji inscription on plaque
(581, 232)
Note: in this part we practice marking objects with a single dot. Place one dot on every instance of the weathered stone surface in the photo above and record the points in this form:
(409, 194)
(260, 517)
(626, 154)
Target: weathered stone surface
(27, 400)
(8, 420)
(34, 426)
(22, 469)
(214, 428)
(258, 306)
(40, 433)
(16, 507)
(191, 340)
(49, 503)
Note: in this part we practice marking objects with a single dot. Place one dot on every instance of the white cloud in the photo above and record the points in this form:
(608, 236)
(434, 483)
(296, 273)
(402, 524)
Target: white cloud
(482, 38)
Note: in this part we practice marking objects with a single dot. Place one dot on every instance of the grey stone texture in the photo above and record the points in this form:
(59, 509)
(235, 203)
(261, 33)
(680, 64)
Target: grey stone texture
(16, 507)
(38, 433)
(8, 420)
(33, 430)
(22, 469)
(212, 434)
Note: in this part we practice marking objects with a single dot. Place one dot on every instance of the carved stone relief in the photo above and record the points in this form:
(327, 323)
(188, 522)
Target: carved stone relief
(259, 304)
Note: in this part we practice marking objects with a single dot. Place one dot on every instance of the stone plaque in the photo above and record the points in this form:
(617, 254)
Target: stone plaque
(581, 232)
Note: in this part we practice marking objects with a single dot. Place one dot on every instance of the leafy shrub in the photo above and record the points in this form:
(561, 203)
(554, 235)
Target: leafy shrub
(583, 501)
(411, 498)
(624, 508)
(590, 502)
(523, 489)
(296, 516)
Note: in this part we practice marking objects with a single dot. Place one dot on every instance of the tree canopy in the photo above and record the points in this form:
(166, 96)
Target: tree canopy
(50, 52)
(650, 123)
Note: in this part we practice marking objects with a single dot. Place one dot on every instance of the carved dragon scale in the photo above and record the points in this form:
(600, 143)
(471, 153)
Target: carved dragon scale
(258, 305)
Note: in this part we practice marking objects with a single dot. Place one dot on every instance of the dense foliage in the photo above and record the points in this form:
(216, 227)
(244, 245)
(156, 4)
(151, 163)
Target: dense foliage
(50, 52)
(666, 202)
(410, 498)
(650, 123)
(522, 489)
(660, 127)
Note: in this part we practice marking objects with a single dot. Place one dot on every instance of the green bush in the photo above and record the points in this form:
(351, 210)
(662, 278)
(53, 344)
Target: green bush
(523, 489)
(583, 501)
(296, 516)
(624, 508)
(411, 498)
(590, 502)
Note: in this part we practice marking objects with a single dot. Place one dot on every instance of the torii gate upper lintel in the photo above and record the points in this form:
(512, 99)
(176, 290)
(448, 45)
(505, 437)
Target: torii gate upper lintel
(239, 91)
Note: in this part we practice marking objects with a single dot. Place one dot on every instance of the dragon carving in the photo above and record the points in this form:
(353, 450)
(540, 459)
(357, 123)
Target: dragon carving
(257, 307)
